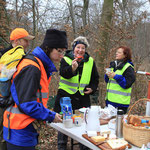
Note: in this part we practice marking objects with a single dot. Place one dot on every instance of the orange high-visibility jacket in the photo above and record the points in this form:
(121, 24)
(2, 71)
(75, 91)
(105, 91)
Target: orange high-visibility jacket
(19, 120)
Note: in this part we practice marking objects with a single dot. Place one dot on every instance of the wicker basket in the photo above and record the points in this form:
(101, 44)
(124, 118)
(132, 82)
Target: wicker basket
(134, 134)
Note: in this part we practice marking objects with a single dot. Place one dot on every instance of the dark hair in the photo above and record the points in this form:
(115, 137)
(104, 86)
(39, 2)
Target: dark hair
(126, 52)
(46, 49)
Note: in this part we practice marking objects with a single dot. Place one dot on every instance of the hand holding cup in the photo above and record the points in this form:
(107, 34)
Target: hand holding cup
(108, 70)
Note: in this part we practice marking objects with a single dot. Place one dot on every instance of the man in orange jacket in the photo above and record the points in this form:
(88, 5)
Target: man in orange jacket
(18, 36)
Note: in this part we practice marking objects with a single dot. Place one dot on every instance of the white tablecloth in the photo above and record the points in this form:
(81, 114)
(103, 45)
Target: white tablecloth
(76, 134)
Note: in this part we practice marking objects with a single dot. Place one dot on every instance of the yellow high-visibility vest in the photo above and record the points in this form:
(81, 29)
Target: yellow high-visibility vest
(117, 94)
(73, 84)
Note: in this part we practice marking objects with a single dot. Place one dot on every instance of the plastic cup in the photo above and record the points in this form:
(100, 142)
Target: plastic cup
(68, 123)
(108, 70)
(78, 121)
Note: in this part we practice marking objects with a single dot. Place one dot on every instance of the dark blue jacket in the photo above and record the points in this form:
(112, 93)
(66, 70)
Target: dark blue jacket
(23, 90)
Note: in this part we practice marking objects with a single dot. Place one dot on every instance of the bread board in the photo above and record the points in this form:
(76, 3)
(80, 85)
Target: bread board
(103, 145)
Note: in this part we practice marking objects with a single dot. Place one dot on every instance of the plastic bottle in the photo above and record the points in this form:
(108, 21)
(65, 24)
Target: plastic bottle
(66, 107)
(61, 113)
(119, 124)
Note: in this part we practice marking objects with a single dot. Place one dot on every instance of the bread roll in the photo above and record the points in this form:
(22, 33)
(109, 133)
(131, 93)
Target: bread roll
(134, 120)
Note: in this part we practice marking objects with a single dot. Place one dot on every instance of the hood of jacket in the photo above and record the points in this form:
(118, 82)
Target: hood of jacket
(48, 64)
(119, 64)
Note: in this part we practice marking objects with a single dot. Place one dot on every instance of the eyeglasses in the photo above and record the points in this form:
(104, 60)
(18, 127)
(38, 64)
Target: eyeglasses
(61, 51)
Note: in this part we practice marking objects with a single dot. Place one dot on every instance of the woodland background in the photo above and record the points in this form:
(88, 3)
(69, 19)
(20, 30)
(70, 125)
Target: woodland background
(106, 24)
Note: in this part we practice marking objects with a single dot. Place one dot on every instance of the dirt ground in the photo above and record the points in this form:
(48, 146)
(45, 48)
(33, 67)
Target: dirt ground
(48, 140)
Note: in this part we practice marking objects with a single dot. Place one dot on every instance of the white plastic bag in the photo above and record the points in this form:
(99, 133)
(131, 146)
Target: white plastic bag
(108, 112)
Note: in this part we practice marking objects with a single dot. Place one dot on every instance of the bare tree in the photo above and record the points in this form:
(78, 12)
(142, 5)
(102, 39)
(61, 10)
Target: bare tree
(4, 24)
(34, 21)
(17, 12)
(84, 13)
(105, 23)
(71, 10)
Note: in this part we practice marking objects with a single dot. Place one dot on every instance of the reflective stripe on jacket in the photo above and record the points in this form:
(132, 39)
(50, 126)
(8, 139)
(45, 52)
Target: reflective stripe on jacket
(73, 84)
(19, 120)
(117, 94)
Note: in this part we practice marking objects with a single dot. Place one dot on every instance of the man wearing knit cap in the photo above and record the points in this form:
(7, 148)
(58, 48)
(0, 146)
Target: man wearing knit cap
(19, 39)
(30, 92)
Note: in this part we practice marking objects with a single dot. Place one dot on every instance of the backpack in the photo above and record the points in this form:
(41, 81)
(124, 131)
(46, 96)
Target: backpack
(8, 66)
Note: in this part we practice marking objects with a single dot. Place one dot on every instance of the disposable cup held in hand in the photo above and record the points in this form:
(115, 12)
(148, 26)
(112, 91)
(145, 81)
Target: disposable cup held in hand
(108, 70)
(68, 123)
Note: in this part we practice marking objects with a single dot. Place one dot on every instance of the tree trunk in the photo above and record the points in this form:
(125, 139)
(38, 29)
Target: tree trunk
(34, 22)
(105, 23)
(3, 25)
(17, 14)
(71, 10)
(84, 14)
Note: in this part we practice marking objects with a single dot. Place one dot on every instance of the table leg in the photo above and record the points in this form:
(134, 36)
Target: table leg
(71, 144)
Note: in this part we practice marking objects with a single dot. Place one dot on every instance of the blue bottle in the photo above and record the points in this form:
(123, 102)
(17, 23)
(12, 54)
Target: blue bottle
(66, 107)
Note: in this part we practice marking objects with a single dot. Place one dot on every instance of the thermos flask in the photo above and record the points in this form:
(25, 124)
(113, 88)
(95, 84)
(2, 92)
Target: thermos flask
(118, 128)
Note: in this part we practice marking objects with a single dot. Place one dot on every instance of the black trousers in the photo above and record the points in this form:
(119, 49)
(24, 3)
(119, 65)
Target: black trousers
(62, 142)
(15, 147)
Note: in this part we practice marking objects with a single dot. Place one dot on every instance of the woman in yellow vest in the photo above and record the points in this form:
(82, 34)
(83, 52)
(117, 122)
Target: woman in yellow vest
(79, 79)
(120, 79)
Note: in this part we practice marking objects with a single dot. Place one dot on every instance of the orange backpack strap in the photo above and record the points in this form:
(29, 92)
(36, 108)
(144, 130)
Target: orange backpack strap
(25, 62)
